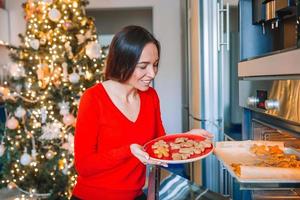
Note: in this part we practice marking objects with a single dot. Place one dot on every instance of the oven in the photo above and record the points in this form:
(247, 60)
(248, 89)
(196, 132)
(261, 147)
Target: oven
(271, 111)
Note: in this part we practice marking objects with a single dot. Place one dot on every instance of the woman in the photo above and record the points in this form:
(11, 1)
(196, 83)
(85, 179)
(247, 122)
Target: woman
(116, 117)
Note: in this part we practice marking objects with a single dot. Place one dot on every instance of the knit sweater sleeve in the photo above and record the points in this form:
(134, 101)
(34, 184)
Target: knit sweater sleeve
(88, 161)
(160, 130)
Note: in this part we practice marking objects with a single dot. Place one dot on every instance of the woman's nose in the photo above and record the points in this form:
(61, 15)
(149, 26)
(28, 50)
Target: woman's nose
(151, 71)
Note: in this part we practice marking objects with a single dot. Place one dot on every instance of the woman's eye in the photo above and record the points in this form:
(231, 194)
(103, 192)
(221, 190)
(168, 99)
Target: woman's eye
(143, 66)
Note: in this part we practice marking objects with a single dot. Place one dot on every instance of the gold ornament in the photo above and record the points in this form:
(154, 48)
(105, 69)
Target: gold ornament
(61, 164)
(83, 21)
(88, 75)
(44, 74)
(43, 38)
(81, 38)
(56, 80)
(31, 9)
(49, 35)
(4, 92)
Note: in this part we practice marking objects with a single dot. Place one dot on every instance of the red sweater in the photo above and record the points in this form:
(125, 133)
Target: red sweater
(105, 166)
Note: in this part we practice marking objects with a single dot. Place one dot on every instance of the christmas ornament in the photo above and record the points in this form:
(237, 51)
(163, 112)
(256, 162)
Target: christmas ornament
(64, 108)
(93, 50)
(88, 75)
(54, 15)
(43, 41)
(74, 78)
(67, 25)
(65, 71)
(18, 88)
(16, 71)
(43, 74)
(83, 21)
(2, 149)
(38, 125)
(51, 131)
(68, 119)
(12, 123)
(55, 78)
(69, 145)
(34, 43)
(43, 38)
(43, 115)
(49, 35)
(50, 154)
(33, 153)
(31, 9)
(65, 170)
(61, 164)
(25, 158)
(69, 50)
(81, 38)
(11, 185)
(4, 92)
(20, 112)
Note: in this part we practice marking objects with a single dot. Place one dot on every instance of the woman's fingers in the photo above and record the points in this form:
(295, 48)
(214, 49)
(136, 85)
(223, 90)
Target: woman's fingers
(154, 162)
(201, 132)
(207, 134)
(143, 156)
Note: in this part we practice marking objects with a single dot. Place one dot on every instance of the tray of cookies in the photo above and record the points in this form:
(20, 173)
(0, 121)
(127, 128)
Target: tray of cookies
(179, 148)
(259, 161)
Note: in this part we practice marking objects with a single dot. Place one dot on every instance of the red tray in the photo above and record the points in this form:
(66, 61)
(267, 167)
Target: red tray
(171, 138)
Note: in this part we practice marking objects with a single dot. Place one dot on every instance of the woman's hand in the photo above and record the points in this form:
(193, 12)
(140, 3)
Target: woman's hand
(201, 132)
(139, 153)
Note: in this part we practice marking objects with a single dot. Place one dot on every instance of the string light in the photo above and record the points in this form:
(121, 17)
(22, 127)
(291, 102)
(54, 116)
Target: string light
(52, 37)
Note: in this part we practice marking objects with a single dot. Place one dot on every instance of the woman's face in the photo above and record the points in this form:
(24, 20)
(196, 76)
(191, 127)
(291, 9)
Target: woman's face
(146, 68)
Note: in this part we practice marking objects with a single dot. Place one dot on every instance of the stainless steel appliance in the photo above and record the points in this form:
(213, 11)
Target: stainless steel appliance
(210, 38)
(269, 92)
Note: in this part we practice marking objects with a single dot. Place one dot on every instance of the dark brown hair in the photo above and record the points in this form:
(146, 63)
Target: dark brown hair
(125, 51)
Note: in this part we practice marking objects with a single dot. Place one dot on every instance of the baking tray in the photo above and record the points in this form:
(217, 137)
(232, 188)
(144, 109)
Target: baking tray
(229, 152)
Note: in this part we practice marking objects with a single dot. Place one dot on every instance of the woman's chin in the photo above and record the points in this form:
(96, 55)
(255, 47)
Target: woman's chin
(143, 88)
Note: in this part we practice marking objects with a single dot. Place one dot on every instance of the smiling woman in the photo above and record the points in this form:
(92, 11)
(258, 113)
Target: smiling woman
(117, 117)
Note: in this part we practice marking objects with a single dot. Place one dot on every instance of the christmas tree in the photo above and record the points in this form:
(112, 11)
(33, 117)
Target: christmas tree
(58, 58)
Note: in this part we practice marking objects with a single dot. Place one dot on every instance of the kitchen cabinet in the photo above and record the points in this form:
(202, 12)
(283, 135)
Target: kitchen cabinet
(268, 26)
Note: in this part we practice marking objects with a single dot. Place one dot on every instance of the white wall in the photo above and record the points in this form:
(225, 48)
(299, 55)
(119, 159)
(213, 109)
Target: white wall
(16, 19)
(167, 29)
(4, 24)
(110, 21)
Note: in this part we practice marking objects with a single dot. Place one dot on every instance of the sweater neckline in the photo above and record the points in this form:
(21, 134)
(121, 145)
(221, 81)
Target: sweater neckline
(118, 110)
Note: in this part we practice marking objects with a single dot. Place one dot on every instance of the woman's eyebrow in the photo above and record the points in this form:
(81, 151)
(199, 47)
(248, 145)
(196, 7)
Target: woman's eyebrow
(144, 62)
(147, 62)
